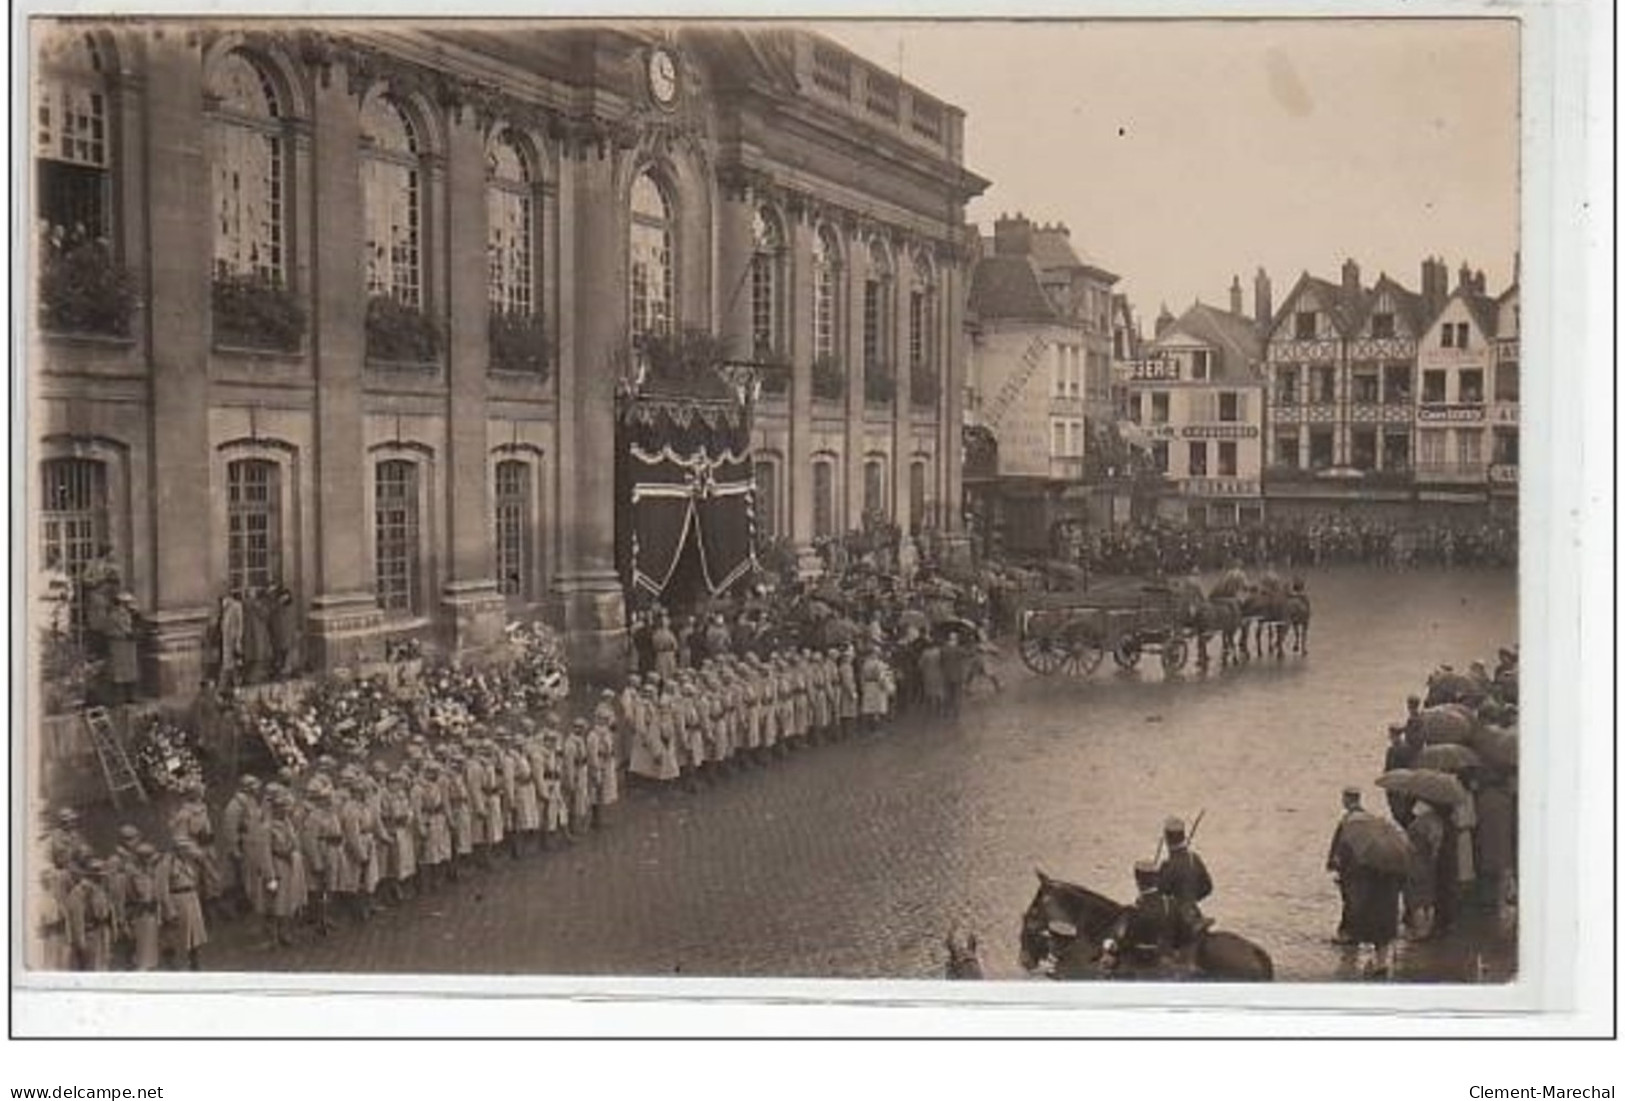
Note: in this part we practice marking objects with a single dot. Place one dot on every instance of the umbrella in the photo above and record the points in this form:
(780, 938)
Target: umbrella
(1429, 785)
(1375, 843)
(1448, 723)
(1498, 746)
(1448, 757)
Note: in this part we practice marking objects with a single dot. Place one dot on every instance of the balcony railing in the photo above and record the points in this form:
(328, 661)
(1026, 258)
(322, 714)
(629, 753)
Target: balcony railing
(1069, 468)
(1455, 473)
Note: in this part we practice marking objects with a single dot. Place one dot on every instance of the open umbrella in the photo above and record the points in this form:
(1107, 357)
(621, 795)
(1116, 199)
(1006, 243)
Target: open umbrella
(1429, 785)
(1447, 723)
(1448, 757)
(1498, 746)
(1375, 843)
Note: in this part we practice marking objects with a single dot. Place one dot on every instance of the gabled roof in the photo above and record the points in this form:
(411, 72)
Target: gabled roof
(1409, 304)
(1345, 308)
(1009, 287)
(1480, 307)
(1238, 340)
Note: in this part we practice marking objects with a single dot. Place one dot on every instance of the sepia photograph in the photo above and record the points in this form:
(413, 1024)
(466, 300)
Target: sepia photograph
(954, 501)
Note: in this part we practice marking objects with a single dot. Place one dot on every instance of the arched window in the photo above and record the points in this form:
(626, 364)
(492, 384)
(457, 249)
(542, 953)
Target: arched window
(515, 529)
(823, 497)
(253, 524)
(74, 526)
(653, 273)
(391, 178)
(766, 284)
(826, 272)
(920, 350)
(395, 528)
(916, 495)
(246, 153)
(511, 227)
(875, 296)
(74, 143)
(874, 487)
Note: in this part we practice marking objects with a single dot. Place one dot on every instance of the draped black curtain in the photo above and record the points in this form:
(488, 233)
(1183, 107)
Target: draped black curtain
(685, 496)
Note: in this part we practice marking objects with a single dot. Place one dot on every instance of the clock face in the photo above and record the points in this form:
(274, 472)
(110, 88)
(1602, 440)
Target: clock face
(663, 76)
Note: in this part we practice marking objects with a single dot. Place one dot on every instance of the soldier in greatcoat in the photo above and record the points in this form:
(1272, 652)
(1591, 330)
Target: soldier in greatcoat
(433, 823)
(604, 765)
(121, 865)
(459, 810)
(90, 918)
(360, 843)
(180, 901)
(847, 690)
(576, 768)
(555, 802)
(56, 950)
(321, 837)
(475, 781)
(141, 911)
(527, 807)
(654, 756)
(784, 703)
(400, 822)
(287, 886)
(192, 821)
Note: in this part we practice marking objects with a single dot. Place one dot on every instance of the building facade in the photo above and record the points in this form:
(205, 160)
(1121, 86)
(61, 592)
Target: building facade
(346, 313)
(1040, 376)
(1455, 361)
(1197, 401)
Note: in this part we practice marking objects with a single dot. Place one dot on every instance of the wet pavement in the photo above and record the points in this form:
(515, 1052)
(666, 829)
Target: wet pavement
(855, 859)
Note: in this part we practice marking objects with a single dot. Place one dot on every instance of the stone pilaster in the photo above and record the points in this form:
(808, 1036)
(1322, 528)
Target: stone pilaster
(951, 401)
(587, 597)
(474, 611)
(344, 608)
(178, 332)
(902, 448)
(800, 478)
(848, 309)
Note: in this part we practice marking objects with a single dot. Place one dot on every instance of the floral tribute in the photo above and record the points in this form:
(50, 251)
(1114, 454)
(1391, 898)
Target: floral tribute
(166, 756)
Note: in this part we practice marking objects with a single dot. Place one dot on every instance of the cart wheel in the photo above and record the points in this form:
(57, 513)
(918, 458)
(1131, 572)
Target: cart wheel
(1127, 654)
(1083, 655)
(1175, 653)
(1041, 654)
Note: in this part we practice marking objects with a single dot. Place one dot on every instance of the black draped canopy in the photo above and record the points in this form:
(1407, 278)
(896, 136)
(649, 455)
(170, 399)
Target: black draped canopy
(685, 493)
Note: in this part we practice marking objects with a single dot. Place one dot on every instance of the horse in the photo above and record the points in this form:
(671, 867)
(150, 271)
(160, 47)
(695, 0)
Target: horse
(964, 958)
(1267, 608)
(1221, 615)
(1221, 956)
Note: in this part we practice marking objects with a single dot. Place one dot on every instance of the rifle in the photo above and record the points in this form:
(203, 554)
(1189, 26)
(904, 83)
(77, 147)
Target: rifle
(1190, 835)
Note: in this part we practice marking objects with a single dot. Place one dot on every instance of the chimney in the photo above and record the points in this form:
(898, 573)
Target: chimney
(1235, 295)
(1435, 284)
(1464, 278)
(1517, 268)
(1263, 300)
(1012, 236)
(1478, 281)
(1351, 277)
(1165, 321)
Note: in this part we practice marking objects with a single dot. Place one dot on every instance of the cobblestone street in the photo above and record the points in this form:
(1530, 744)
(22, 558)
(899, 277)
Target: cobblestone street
(855, 859)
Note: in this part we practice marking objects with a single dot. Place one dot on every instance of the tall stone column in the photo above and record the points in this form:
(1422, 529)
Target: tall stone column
(475, 610)
(849, 308)
(736, 245)
(344, 615)
(801, 356)
(951, 405)
(592, 246)
(902, 433)
(178, 251)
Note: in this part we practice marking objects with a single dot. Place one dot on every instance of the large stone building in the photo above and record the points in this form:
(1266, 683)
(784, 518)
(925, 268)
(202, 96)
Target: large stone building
(1039, 375)
(346, 311)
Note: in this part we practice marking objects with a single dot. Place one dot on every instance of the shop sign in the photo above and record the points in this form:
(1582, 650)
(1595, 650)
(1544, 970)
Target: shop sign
(1450, 414)
(1149, 370)
(1220, 432)
(1219, 487)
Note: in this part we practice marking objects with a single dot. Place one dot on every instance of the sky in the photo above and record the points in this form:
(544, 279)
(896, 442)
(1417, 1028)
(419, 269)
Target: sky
(1181, 153)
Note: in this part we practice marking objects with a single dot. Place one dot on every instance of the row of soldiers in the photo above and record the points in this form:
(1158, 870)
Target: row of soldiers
(300, 851)
(690, 724)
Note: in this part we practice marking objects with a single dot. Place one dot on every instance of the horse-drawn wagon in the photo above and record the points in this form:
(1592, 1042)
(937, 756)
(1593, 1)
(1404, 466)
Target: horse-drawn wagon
(1073, 631)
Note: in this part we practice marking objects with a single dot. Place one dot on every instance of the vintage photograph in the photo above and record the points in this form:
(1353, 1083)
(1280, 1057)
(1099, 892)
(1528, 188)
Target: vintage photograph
(949, 500)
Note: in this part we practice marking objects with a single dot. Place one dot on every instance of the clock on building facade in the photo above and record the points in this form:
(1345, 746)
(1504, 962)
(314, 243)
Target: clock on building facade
(663, 76)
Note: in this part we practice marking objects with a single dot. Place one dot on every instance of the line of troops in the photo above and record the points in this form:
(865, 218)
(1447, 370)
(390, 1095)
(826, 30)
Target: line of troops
(683, 724)
(345, 838)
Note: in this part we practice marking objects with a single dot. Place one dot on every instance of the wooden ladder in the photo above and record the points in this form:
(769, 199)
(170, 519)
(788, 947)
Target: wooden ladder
(117, 770)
